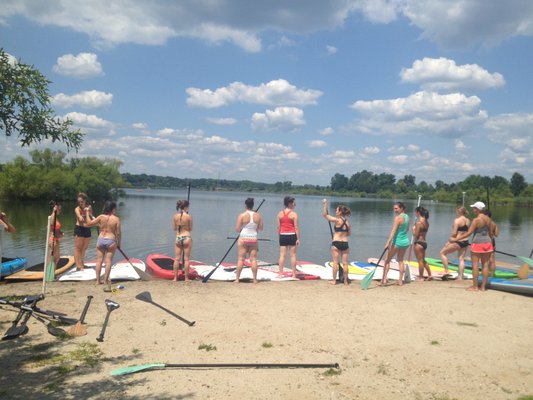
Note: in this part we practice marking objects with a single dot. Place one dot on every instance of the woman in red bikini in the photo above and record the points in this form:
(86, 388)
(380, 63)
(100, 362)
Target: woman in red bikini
(55, 234)
(289, 234)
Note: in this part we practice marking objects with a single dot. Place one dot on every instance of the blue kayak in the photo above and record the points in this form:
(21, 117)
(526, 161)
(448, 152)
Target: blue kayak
(12, 265)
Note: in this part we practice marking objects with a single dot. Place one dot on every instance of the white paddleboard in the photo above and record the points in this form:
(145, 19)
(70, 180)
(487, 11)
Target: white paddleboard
(120, 271)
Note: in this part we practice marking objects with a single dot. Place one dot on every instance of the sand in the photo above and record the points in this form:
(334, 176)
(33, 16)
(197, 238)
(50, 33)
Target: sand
(426, 340)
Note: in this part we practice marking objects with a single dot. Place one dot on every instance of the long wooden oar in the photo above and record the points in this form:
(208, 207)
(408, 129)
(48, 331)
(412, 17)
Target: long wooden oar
(365, 282)
(206, 278)
(79, 329)
(150, 367)
(143, 275)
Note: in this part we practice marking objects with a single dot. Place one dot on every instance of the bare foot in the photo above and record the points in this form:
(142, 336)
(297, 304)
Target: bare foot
(332, 282)
(256, 281)
(472, 289)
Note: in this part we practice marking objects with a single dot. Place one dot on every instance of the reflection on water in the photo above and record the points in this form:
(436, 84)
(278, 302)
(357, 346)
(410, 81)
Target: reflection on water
(146, 219)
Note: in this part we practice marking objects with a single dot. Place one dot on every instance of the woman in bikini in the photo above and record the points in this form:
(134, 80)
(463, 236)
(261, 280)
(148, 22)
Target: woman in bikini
(248, 224)
(397, 243)
(108, 239)
(289, 234)
(55, 234)
(82, 233)
(340, 250)
(420, 231)
(182, 223)
(460, 225)
(481, 246)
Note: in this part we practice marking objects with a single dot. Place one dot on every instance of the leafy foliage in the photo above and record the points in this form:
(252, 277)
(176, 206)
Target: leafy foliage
(25, 106)
(50, 176)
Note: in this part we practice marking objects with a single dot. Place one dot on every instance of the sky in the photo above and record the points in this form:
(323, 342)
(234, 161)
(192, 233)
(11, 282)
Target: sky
(286, 90)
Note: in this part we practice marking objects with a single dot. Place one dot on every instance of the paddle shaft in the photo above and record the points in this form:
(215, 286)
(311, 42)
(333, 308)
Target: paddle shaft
(190, 323)
(206, 278)
(85, 309)
(413, 234)
(143, 275)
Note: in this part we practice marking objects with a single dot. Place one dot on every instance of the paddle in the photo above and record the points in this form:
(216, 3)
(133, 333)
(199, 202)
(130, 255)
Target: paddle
(51, 268)
(146, 297)
(341, 270)
(79, 329)
(365, 282)
(523, 272)
(407, 278)
(46, 253)
(52, 330)
(206, 278)
(142, 275)
(149, 367)
(110, 305)
(15, 330)
(261, 240)
(182, 259)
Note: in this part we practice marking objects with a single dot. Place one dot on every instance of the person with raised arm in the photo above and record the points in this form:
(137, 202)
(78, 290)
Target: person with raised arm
(340, 249)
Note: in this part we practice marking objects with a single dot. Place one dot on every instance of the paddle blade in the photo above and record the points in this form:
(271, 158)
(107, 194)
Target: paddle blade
(135, 368)
(523, 272)
(144, 296)
(365, 282)
(50, 272)
(526, 260)
(77, 330)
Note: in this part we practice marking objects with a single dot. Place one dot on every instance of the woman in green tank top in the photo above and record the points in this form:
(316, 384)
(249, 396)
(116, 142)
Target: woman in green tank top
(398, 241)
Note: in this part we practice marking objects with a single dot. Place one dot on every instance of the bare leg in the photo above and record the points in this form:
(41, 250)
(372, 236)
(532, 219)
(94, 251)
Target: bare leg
(187, 258)
(345, 265)
(281, 262)
(335, 257)
(475, 271)
(293, 260)
(240, 261)
(461, 253)
(99, 259)
(78, 250)
(253, 260)
(177, 258)
(485, 258)
(108, 263)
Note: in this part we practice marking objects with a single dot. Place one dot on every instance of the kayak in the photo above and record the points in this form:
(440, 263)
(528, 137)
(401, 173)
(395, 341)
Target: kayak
(161, 266)
(11, 265)
(120, 271)
(518, 286)
(498, 273)
(35, 272)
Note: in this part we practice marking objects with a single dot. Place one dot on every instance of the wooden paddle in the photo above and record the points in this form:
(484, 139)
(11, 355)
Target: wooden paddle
(80, 329)
(523, 272)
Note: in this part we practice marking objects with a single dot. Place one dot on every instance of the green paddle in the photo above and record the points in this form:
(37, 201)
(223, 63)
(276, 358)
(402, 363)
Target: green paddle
(149, 367)
(51, 269)
(365, 282)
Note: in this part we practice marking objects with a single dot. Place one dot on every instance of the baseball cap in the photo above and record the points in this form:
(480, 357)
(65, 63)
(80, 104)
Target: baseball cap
(479, 205)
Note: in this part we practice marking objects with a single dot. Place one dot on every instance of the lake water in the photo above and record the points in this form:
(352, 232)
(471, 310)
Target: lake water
(147, 214)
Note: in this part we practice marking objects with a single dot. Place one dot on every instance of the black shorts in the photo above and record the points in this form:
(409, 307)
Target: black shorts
(463, 244)
(288, 240)
(341, 246)
(82, 231)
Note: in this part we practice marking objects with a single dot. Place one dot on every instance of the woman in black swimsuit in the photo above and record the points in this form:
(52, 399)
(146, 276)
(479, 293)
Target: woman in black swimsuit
(460, 224)
(420, 231)
(339, 246)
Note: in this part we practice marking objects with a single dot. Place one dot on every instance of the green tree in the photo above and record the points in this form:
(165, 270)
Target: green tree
(518, 184)
(339, 182)
(25, 106)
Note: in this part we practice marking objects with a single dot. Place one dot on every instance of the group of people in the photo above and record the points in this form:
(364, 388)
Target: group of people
(482, 229)
(482, 247)
(109, 235)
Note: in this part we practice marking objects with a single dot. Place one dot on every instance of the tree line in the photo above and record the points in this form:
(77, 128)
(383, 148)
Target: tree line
(50, 176)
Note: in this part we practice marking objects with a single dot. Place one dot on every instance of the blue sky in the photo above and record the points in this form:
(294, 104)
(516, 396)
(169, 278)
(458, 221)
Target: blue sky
(287, 90)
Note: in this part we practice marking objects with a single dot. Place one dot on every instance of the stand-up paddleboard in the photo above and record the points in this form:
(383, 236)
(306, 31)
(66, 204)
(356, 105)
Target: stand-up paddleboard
(321, 271)
(35, 272)
(11, 265)
(436, 271)
(162, 266)
(518, 286)
(221, 274)
(286, 275)
(452, 266)
(120, 271)
(247, 275)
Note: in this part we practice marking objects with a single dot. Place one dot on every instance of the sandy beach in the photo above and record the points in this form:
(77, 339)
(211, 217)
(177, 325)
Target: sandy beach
(426, 340)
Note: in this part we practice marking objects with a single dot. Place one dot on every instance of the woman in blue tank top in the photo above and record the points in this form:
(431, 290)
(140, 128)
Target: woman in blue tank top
(398, 242)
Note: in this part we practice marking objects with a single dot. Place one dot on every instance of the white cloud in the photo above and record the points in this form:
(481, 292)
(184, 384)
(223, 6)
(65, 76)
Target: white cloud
(86, 99)
(276, 92)
(83, 65)
(155, 22)
(422, 112)
(434, 74)
(90, 122)
(280, 119)
(460, 146)
(369, 150)
(400, 159)
(316, 143)
(222, 121)
(140, 125)
(326, 131)
(330, 50)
